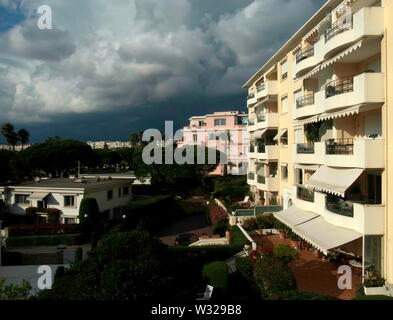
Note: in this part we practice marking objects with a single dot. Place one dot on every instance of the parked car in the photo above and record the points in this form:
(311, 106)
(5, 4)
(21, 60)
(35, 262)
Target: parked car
(185, 239)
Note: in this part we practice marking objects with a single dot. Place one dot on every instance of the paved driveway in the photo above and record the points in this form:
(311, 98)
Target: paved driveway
(194, 224)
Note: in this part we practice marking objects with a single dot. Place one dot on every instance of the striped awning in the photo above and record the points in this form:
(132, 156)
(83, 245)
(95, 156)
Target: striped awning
(348, 111)
(333, 180)
(280, 134)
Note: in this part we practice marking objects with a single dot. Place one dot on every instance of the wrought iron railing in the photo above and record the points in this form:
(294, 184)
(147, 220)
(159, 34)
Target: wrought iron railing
(261, 179)
(340, 26)
(339, 205)
(305, 194)
(251, 176)
(305, 148)
(339, 86)
(306, 100)
(261, 87)
(340, 146)
(304, 53)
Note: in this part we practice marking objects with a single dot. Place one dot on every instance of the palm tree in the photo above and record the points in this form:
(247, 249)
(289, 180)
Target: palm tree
(24, 136)
(9, 134)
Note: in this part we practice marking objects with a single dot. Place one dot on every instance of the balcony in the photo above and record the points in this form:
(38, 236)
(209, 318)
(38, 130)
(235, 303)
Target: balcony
(261, 179)
(308, 57)
(350, 91)
(306, 100)
(271, 184)
(304, 194)
(264, 120)
(309, 153)
(267, 152)
(339, 206)
(358, 153)
(309, 104)
(268, 88)
(251, 176)
(251, 99)
(367, 22)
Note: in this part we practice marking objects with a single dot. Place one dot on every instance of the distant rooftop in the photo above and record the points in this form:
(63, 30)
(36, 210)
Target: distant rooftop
(70, 183)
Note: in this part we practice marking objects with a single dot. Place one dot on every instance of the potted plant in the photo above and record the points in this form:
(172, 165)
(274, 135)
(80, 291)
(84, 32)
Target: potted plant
(370, 271)
(375, 285)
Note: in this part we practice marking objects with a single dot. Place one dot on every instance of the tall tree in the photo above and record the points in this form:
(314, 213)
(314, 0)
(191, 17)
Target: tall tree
(24, 136)
(9, 134)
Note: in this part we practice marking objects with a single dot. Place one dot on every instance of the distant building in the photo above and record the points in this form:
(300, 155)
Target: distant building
(66, 194)
(212, 131)
(108, 144)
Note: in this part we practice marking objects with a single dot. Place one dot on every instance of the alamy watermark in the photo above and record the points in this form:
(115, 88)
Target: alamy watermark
(44, 21)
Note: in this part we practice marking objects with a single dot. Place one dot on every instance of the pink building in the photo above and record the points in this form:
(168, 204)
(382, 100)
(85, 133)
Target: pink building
(225, 131)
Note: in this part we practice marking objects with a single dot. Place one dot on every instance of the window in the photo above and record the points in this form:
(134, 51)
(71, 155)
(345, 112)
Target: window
(119, 192)
(284, 171)
(195, 137)
(69, 220)
(109, 195)
(284, 69)
(69, 201)
(22, 199)
(284, 104)
(201, 123)
(220, 122)
(125, 191)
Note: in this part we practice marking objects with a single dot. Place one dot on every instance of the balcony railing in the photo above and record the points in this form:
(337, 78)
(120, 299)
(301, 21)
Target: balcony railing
(251, 176)
(261, 179)
(306, 100)
(251, 95)
(340, 26)
(339, 205)
(261, 118)
(304, 53)
(305, 148)
(339, 86)
(305, 194)
(261, 87)
(340, 146)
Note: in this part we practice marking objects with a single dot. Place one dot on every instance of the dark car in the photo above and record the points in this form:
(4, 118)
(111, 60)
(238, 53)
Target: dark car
(185, 239)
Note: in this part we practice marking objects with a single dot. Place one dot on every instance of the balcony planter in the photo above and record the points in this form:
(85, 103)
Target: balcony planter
(375, 285)
(375, 291)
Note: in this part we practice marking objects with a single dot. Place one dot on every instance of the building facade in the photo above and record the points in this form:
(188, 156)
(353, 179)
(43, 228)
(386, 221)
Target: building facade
(66, 195)
(225, 131)
(319, 127)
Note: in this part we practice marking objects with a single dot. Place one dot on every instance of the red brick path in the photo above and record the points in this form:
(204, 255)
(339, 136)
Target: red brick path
(312, 273)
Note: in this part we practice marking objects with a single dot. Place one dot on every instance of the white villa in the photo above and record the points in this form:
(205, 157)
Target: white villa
(66, 194)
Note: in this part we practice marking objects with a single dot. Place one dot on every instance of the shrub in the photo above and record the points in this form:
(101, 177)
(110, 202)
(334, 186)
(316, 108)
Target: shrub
(221, 227)
(217, 274)
(42, 229)
(88, 210)
(78, 255)
(250, 224)
(245, 267)
(237, 237)
(273, 278)
(23, 241)
(53, 215)
(60, 271)
(375, 281)
(265, 221)
(208, 253)
(286, 254)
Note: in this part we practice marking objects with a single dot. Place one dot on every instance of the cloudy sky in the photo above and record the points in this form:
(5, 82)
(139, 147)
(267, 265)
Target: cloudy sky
(110, 68)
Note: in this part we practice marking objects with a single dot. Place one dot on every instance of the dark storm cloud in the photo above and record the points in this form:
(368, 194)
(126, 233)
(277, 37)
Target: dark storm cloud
(137, 58)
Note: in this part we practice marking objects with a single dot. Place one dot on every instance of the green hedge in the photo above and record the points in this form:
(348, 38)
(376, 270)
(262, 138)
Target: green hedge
(237, 237)
(209, 252)
(217, 274)
(134, 205)
(68, 239)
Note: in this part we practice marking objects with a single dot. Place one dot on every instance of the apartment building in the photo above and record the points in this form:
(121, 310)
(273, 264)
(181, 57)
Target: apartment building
(319, 127)
(66, 194)
(225, 131)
